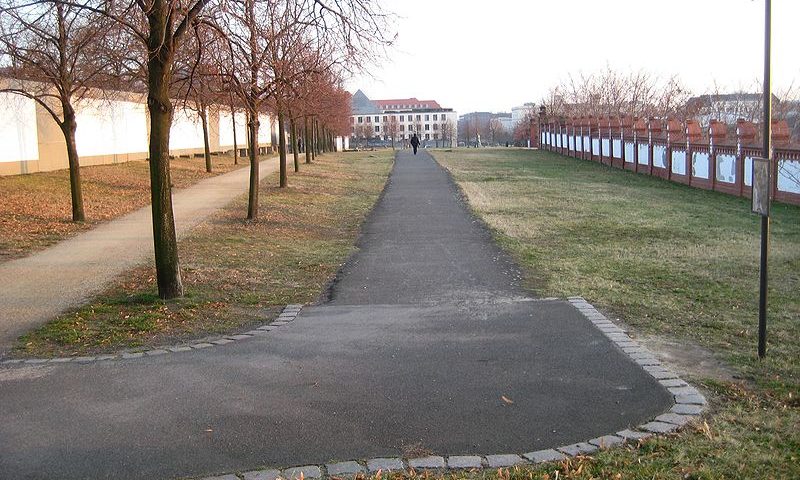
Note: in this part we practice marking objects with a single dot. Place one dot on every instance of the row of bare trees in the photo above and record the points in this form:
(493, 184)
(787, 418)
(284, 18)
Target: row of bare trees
(613, 93)
(641, 94)
(283, 57)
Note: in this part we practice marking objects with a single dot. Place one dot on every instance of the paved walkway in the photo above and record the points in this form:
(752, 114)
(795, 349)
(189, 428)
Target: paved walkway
(39, 287)
(428, 344)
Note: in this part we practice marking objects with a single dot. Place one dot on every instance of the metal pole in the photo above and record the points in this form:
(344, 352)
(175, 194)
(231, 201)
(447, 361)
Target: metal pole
(767, 138)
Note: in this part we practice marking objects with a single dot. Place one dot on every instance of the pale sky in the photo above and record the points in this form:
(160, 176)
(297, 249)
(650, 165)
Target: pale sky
(494, 55)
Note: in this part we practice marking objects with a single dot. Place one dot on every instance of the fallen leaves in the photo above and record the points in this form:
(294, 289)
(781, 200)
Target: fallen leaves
(36, 209)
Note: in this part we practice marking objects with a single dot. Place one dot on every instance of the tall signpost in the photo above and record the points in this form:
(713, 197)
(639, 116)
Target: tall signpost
(762, 184)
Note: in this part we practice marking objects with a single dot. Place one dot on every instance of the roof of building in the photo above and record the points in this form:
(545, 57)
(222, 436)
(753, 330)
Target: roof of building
(362, 105)
(400, 103)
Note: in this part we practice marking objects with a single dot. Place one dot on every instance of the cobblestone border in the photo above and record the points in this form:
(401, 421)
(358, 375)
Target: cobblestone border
(689, 403)
(288, 314)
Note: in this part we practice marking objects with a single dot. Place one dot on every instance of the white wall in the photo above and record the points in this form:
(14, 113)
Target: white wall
(264, 128)
(187, 130)
(18, 134)
(226, 129)
(110, 127)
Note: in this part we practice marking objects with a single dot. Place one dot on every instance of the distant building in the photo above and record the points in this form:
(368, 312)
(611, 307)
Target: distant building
(727, 107)
(523, 113)
(474, 127)
(381, 120)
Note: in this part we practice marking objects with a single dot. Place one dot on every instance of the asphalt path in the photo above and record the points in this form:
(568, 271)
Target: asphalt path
(428, 343)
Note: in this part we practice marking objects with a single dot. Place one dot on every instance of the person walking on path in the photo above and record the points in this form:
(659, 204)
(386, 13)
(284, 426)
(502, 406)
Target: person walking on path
(415, 143)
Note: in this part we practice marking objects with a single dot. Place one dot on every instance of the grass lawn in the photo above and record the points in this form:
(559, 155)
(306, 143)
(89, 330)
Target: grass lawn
(36, 209)
(679, 266)
(236, 273)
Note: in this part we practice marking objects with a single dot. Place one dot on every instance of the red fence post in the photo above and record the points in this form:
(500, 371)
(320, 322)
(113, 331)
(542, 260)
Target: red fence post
(745, 136)
(693, 135)
(780, 138)
(717, 132)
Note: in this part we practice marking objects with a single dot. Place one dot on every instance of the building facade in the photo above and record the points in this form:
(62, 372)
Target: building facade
(396, 120)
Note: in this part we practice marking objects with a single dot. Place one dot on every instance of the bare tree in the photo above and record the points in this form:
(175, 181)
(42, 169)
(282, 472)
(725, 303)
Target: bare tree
(50, 52)
(447, 128)
(495, 129)
(159, 26)
(392, 128)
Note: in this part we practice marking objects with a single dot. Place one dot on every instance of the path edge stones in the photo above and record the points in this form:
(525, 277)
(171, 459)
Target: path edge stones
(287, 315)
(688, 405)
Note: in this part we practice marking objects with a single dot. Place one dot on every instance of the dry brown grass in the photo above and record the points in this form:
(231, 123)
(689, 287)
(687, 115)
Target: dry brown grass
(36, 211)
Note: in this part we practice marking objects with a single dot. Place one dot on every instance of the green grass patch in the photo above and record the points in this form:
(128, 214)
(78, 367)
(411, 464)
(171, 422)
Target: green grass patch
(236, 273)
(674, 263)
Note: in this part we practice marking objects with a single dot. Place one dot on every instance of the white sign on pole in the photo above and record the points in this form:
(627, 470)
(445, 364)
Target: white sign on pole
(761, 184)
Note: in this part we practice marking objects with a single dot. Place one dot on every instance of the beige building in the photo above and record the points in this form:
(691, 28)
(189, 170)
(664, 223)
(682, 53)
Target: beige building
(377, 121)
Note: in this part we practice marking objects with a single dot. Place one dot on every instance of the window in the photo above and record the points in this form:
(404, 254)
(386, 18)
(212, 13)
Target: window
(436, 126)
(427, 136)
(427, 118)
(427, 127)
(360, 119)
(402, 118)
(369, 119)
(377, 119)
(377, 128)
(444, 117)
(435, 117)
(419, 118)
(402, 128)
(354, 129)
(436, 136)
(385, 119)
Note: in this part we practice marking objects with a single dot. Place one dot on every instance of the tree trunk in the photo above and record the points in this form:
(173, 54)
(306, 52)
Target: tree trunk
(68, 128)
(206, 147)
(235, 146)
(307, 143)
(165, 243)
(295, 149)
(313, 140)
(252, 152)
(282, 149)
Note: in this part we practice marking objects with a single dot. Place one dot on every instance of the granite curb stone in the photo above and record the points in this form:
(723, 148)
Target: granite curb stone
(263, 475)
(385, 464)
(431, 462)
(504, 460)
(464, 461)
(658, 427)
(579, 448)
(541, 456)
(634, 435)
(345, 468)
(307, 471)
(289, 313)
(607, 441)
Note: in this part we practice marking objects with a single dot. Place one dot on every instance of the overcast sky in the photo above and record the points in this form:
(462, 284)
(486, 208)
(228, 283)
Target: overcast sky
(493, 55)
